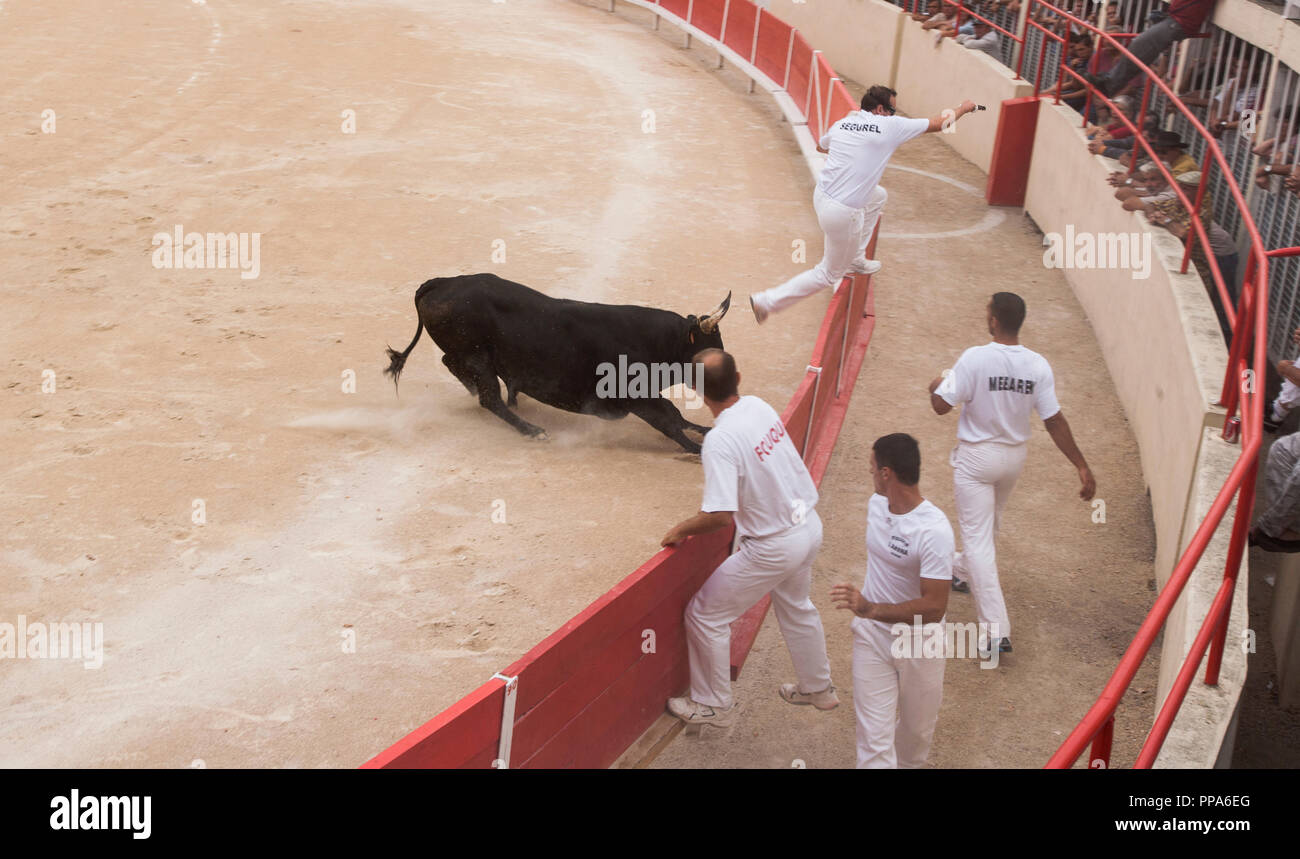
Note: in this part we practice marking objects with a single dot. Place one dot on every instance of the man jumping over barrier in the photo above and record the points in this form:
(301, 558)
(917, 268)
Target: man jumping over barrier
(849, 199)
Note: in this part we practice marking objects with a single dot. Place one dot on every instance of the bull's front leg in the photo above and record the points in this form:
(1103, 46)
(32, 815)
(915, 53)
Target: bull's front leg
(661, 414)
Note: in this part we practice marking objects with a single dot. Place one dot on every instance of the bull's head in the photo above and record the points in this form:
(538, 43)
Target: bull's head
(703, 330)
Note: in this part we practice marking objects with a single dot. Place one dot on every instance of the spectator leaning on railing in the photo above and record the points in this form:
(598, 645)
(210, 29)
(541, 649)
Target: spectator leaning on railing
(1173, 216)
(1278, 527)
(985, 39)
(1185, 19)
(933, 11)
(1074, 93)
(1278, 153)
(1148, 187)
(1289, 396)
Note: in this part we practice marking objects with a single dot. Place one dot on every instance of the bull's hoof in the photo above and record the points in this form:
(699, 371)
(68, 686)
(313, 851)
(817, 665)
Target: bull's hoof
(540, 435)
(688, 457)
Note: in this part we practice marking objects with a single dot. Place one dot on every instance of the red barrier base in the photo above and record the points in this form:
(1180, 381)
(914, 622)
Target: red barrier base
(1012, 149)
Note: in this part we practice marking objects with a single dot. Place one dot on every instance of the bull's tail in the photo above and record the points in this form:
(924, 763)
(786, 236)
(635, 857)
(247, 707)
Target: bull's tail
(397, 360)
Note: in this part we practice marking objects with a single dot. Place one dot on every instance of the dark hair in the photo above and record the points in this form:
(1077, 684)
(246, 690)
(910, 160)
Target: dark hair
(878, 96)
(900, 453)
(1009, 311)
(720, 380)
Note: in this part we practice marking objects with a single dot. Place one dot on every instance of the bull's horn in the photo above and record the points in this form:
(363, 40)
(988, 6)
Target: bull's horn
(710, 321)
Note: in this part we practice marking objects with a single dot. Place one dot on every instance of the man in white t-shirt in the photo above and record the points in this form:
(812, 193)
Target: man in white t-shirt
(754, 477)
(997, 385)
(848, 199)
(897, 678)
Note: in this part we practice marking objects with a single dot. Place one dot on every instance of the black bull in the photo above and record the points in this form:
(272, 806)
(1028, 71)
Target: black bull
(553, 349)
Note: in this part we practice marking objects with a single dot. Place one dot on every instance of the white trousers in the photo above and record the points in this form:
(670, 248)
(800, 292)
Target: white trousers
(1286, 400)
(780, 565)
(896, 699)
(983, 476)
(846, 234)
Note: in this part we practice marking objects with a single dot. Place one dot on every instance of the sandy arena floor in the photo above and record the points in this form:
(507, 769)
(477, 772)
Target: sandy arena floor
(331, 514)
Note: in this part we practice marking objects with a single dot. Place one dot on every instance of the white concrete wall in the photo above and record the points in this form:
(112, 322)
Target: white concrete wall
(859, 37)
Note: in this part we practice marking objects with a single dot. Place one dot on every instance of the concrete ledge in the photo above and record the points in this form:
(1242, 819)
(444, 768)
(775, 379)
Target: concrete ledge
(1202, 735)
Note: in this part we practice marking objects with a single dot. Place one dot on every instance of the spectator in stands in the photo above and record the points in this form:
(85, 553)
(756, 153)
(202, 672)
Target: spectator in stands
(1185, 19)
(1011, 8)
(1242, 90)
(1073, 91)
(1289, 396)
(944, 24)
(1278, 528)
(1116, 129)
(1102, 63)
(1169, 147)
(1114, 18)
(1148, 187)
(934, 10)
(985, 40)
(1173, 216)
(1265, 172)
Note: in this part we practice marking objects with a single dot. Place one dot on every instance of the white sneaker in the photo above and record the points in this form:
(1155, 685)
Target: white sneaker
(823, 700)
(760, 315)
(865, 266)
(693, 713)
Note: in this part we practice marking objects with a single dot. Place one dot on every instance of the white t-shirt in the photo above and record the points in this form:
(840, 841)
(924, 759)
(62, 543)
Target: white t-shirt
(999, 385)
(752, 469)
(860, 145)
(903, 549)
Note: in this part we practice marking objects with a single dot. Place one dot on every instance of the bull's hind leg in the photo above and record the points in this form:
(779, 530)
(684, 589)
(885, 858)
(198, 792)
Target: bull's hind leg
(485, 383)
(460, 371)
(663, 416)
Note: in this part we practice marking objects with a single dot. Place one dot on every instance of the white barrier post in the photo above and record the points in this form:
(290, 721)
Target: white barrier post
(507, 721)
(844, 342)
(690, 9)
(753, 49)
(807, 435)
(789, 52)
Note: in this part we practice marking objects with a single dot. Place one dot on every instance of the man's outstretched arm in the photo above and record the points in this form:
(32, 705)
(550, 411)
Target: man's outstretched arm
(938, 121)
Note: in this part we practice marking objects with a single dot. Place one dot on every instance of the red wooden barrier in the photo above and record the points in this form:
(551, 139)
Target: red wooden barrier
(680, 8)
(798, 83)
(707, 16)
(773, 46)
(742, 24)
(818, 108)
(842, 104)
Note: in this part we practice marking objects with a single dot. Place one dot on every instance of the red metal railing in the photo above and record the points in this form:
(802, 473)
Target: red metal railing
(1239, 394)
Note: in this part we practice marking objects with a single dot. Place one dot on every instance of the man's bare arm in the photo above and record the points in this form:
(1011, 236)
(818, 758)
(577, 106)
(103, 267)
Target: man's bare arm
(938, 121)
(931, 606)
(938, 403)
(700, 523)
(1059, 429)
